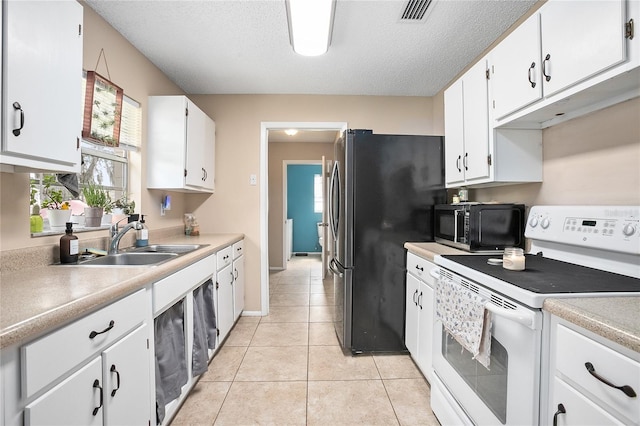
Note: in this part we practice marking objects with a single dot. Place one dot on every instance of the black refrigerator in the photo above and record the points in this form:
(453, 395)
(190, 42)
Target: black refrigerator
(382, 194)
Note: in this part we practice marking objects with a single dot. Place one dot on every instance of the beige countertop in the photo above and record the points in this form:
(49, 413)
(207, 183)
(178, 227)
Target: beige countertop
(34, 301)
(430, 250)
(614, 318)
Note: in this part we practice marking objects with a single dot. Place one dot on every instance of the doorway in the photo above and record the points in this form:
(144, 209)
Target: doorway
(266, 127)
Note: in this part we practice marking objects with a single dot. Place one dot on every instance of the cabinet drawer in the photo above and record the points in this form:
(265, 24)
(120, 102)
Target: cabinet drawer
(573, 350)
(420, 268)
(51, 356)
(168, 290)
(580, 411)
(238, 249)
(224, 257)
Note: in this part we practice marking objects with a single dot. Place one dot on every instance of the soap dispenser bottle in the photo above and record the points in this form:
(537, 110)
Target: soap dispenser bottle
(69, 246)
(36, 224)
(142, 233)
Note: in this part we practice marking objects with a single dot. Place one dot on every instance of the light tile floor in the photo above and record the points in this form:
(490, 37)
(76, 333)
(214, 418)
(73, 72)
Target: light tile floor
(288, 369)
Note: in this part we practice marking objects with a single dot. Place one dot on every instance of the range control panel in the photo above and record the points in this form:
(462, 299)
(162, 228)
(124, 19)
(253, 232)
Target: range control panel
(615, 228)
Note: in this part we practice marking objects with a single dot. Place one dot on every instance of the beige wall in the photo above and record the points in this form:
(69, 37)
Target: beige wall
(139, 78)
(589, 160)
(235, 207)
(278, 153)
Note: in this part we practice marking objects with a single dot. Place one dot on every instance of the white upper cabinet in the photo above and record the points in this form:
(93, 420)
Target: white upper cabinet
(515, 69)
(565, 48)
(466, 124)
(42, 85)
(181, 146)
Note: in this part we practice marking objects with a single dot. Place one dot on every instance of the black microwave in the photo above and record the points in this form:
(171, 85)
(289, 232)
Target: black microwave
(479, 227)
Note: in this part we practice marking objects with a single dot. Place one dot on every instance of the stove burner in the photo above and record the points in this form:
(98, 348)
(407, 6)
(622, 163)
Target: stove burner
(547, 276)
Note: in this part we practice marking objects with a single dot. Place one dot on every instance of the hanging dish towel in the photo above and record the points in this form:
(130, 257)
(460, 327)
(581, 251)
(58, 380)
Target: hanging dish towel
(464, 316)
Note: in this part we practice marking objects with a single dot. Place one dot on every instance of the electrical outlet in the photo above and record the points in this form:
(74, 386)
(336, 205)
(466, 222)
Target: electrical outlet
(253, 180)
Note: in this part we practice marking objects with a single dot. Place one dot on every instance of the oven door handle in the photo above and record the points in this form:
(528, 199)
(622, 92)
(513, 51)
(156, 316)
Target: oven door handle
(435, 273)
(526, 320)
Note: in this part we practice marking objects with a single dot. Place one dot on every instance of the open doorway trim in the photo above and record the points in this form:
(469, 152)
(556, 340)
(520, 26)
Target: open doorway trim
(265, 126)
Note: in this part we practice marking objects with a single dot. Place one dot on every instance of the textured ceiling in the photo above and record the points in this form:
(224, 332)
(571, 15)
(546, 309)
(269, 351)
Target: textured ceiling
(242, 46)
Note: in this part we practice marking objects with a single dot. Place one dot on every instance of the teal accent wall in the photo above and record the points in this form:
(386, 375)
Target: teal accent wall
(300, 207)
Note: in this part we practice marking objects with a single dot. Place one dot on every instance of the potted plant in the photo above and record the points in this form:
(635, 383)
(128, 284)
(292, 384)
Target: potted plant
(124, 206)
(58, 210)
(98, 201)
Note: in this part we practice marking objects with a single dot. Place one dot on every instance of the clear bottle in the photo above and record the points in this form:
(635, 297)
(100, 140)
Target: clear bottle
(36, 223)
(69, 246)
(142, 233)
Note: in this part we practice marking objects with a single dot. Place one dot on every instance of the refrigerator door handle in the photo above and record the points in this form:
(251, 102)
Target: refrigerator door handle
(334, 210)
(333, 270)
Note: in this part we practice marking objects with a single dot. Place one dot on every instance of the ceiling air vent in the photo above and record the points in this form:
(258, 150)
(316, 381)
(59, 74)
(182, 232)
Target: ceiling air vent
(415, 10)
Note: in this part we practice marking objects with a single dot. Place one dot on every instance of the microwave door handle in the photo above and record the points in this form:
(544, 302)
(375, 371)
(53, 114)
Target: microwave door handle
(526, 320)
(455, 225)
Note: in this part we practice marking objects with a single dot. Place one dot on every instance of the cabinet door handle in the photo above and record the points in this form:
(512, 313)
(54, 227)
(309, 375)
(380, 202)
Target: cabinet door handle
(16, 106)
(531, 68)
(232, 278)
(458, 163)
(96, 384)
(544, 67)
(561, 410)
(95, 333)
(626, 389)
(420, 300)
(235, 277)
(464, 162)
(114, 370)
(415, 293)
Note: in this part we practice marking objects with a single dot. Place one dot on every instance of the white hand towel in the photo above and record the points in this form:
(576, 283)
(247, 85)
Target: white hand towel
(464, 316)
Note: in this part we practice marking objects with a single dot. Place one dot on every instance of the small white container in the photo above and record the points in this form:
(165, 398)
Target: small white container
(513, 259)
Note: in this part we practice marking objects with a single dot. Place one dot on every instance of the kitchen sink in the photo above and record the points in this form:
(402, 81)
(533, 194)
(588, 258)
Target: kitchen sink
(168, 248)
(130, 259)
(141, 256)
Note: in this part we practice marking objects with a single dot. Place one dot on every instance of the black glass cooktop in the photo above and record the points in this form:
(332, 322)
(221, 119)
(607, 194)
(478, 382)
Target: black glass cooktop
(547, 276)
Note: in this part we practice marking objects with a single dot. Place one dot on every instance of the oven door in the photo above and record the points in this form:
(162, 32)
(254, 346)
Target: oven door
(507, 392)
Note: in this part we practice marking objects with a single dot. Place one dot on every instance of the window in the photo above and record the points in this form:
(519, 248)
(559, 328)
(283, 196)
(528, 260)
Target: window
(317, 194)
(101, 164)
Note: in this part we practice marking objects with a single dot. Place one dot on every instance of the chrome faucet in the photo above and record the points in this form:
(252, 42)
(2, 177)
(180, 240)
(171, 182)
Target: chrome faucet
(116, 235)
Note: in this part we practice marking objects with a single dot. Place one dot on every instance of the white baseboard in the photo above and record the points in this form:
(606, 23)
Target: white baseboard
(251, 313)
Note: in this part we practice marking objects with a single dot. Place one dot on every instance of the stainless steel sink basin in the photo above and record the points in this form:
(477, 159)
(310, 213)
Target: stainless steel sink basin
(168, 248)
(130, 259)
(141, 256)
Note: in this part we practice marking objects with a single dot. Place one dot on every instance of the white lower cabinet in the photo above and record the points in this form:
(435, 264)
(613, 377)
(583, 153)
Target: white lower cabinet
(591, 380)
(238, 279)
(111, 388)
(419, 312)
(224, 287)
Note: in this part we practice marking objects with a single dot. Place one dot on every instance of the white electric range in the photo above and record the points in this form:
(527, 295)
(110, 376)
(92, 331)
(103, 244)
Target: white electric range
(576, 251)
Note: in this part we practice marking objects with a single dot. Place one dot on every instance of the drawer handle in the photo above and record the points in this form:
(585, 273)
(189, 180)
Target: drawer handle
(628, 390)
(95, 333)
(114, 370)
(561, 410)
(96, 384)
(419, 268)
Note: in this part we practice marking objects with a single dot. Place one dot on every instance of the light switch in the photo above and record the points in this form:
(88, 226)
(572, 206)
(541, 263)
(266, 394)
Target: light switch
(253, 180)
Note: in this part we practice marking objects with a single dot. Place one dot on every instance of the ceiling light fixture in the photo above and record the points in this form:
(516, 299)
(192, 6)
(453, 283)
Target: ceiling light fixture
(291, 132)
(310, 25)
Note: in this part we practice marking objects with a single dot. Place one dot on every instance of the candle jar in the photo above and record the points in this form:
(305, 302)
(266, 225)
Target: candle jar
(513, 259)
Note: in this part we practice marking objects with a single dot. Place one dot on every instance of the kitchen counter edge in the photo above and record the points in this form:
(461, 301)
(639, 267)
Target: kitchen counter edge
(430, 250)
(614, 318)
(27, 313)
